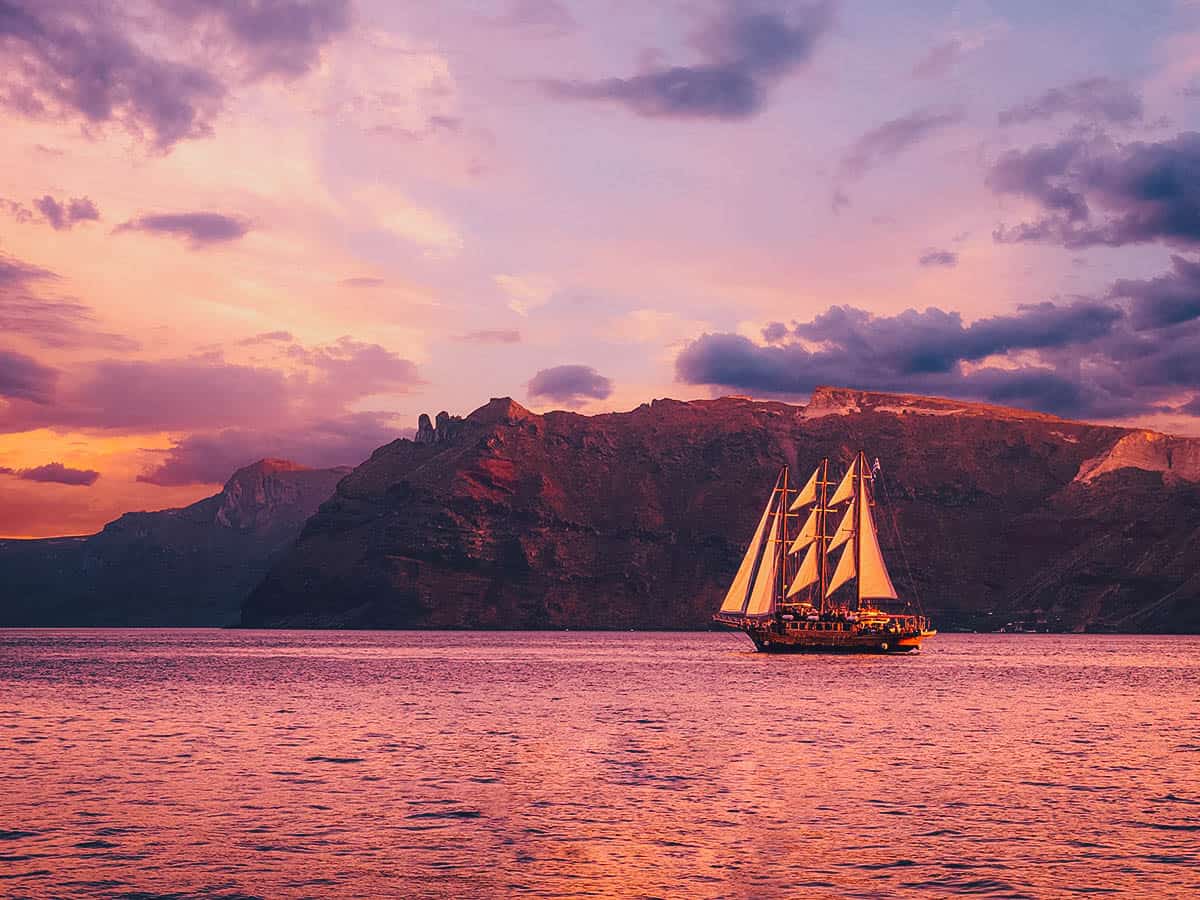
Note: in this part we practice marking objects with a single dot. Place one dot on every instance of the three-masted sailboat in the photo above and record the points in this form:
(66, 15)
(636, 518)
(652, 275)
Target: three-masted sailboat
(786, 608)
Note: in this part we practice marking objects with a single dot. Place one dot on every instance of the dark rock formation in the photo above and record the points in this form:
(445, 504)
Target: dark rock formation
(638, 520)
(425, 432)
(190, 566)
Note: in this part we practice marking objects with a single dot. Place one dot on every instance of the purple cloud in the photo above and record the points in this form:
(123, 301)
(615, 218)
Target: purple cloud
(570, 385)
(1169, 299)
(64, 215)
(938, 258)
(889, 140)
(1092, 98)
(745, 51)
(1083, 358)
(1098, 192)
(200, 228)
(24, 378)
(57, 473)
(103, 63)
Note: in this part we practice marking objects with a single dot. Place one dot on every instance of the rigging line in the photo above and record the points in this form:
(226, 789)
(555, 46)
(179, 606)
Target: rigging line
(912, 583)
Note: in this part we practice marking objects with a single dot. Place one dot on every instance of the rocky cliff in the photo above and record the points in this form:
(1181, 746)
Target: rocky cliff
(189, 566)
(638, 520)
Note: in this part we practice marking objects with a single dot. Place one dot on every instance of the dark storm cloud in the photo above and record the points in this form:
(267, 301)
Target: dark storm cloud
(211, 457)
(64, 215)
(57, 473)
(938, 258)
(24, 378)
(570, 385)
(1169, 299)
(491, 336)
(1087, 358)
(893, 137)
(200, 228)
(745, 50)
(101, 63)
(1098, 192)
(1095, 99)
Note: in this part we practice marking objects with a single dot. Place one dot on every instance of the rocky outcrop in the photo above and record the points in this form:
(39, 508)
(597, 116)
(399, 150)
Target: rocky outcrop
(189, 566)
(1178, 459)
(638, 519)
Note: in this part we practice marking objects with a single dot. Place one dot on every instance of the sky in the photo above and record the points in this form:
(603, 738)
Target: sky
(232, 229)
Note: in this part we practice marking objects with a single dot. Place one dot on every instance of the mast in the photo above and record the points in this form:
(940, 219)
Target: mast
(859, 496)
(822, 552)
(783, 539)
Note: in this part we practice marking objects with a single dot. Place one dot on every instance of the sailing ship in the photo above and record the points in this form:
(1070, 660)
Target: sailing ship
(810, 607)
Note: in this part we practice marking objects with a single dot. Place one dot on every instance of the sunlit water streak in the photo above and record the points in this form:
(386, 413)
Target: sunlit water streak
(320, 764)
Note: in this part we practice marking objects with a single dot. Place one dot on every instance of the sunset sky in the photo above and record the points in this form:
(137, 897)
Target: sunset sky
(239, 228)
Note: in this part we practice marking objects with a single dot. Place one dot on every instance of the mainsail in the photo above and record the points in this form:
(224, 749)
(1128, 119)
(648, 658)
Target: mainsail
(862, 557)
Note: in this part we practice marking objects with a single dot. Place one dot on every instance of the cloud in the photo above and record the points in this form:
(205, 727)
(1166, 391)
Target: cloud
(940, 58)
(268, 337)
(889, 140)
(362, 282)
(938, 258)
(569, 385)
(1094, 99)
(101, 63)
(15, 274)
(744, 51)
(1094, 191)
(57, 473)
(24, 378)
(548, 17)
(526, 292)
(491, 336)
(1167, 300)
(64, 215)
(1084, 358)
(204, 393)
(210, 458)
(200, 228)
(774, 332)
(65, 60)
(278, 37)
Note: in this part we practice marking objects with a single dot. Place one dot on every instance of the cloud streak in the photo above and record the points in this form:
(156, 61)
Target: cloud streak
(745, 51)
(57, 473)
(887, 141)
(200, 229)
(1095, 99)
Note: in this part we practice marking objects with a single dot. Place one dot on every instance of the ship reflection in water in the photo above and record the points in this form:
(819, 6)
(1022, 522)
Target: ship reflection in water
(476, 764)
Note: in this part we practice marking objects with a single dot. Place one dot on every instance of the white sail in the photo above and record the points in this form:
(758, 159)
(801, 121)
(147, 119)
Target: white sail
(807, 574)
(739, 591)
(873, 579)
(762, 595)
(844, 571)
(845, 488)
(845, 530)
(808, 493)
(808, 534)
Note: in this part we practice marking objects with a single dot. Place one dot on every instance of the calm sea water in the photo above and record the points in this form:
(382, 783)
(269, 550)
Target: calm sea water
(221, 764)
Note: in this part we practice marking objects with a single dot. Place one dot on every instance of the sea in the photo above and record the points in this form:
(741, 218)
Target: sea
(159, 764)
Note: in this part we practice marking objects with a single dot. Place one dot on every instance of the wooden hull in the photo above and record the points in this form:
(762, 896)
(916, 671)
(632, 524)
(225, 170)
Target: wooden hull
(771, 638)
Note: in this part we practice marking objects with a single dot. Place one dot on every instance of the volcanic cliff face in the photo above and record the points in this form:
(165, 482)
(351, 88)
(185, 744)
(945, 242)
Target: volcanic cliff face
(638, 520)
(189, 566)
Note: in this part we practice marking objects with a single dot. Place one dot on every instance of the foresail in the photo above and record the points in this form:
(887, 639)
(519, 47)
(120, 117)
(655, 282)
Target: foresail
(808, 493)
(845, 488)
(808, 534)
(844, 571)
(762, 595)
(739, 591)
(807, 574)
(873, 579)
(845, 530)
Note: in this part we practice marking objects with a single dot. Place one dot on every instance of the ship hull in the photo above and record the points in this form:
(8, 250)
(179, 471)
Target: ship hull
(768, 639)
